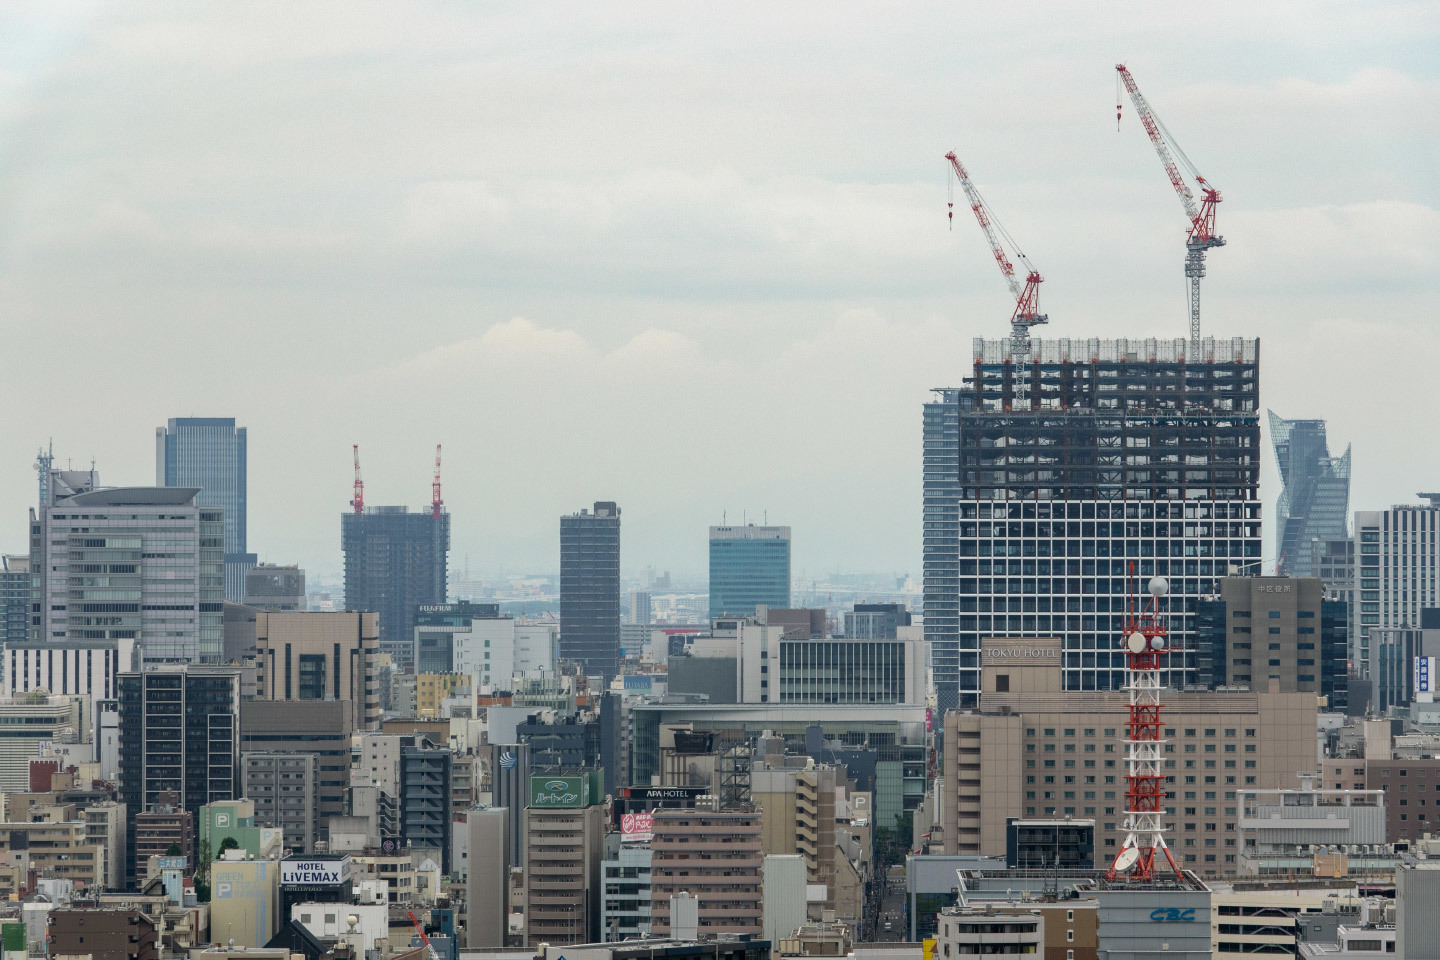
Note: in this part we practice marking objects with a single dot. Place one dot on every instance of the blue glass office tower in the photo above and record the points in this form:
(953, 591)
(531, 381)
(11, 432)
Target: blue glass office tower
(1315, 502)
(209, 453)
(14, 599)
(749, 566)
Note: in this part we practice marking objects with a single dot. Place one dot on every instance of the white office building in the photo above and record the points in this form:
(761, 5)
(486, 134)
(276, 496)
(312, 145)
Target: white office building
(82, 667)
(1397, 571)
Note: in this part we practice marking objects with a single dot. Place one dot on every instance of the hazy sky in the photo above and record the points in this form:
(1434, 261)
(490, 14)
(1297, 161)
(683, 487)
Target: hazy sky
(688, 257)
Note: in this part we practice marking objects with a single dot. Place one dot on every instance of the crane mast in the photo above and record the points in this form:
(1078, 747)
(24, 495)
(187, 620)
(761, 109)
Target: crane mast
(435, 502)
(1027, 296)
(357, 499)
(1202, 235)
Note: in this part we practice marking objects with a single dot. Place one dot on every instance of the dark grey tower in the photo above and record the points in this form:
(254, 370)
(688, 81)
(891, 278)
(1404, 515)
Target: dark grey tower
(1315, 504)
(394, 562)
(1048, 475)
(210, 453)
(590, 589)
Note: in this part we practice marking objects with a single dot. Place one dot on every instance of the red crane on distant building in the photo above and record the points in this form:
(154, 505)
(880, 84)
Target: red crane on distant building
(1027, 298)
(357, 499)
(435, 502)
(1202, 235)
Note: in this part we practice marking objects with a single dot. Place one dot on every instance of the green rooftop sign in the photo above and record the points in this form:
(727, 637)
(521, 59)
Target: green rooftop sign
(576, 790)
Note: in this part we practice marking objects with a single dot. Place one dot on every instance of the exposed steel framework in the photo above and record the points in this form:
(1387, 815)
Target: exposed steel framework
(1145, 648)
(357, 499)
(1202, 235)
(435, 502)
(1027, 296)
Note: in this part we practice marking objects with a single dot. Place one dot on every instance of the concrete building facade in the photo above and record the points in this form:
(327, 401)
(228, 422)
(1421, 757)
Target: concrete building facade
(321, 656)
(564, 848)
(1034, 749)
(284, 787)
(715, 857)
(1397, 566)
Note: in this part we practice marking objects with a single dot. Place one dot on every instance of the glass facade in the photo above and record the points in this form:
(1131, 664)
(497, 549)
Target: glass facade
(1044, 480)
(590, 589)
(749, 566)
(14, 599)
(210, 453)
(1315, 502)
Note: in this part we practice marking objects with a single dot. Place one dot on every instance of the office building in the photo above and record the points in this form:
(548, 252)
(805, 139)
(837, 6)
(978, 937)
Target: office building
(283, 786)
(1398, 570)
(722, 948)
(640, 607)
(210, 453)
(274, 588)
(1258, 629)
(81, 667)
(1334, 563)
(1065, 844)
(123, 934)
(130, 563)
(179, 738)
(32, 724)
(492, 650)
(395, 562)
(487, 878)
(1411, 786)
(53, 843)
(425, 798)
(14, 599)
(876, 621)
(321, 656)
(590, 589)
(749, 567)
(563, 839)
(1035, 750)
(1088, 457)
(625, 900)
(1391, 665)
(715, 857)
(319, 727)
(1314, 503)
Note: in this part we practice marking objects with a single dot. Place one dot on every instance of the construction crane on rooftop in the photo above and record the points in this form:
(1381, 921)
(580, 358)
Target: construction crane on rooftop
(357, 499)
(1202, 235)
(435, 502)
(1027, 297)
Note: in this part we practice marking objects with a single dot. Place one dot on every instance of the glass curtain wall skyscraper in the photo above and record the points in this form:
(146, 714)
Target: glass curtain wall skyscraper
(209, 453)
(749, 566)
(590, 589)
(1047, 476)
(1315, 502)
(1397, 571)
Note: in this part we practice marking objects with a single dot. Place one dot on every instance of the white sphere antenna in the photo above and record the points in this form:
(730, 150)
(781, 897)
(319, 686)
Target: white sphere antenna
(1159, 586)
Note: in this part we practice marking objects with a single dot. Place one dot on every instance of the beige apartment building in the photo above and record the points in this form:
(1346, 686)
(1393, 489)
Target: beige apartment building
(54, 845)
(564, 848)
(322, 656)
(1048, 752)
(715, 857)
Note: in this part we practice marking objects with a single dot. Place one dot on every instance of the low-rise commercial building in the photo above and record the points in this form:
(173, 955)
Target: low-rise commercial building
(1313, 832)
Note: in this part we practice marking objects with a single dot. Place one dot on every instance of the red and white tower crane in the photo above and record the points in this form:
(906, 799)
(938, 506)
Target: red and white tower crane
(435, 502)
(1202, 235)
(357, 499)
(1027, 297)
(1145, 649)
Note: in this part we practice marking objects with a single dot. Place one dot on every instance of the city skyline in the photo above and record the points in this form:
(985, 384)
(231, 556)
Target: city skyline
(750, 317)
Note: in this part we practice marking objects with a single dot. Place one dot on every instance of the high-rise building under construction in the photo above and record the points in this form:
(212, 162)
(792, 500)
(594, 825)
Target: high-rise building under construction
(1315, 502)
(395, 561)
(1047, 474)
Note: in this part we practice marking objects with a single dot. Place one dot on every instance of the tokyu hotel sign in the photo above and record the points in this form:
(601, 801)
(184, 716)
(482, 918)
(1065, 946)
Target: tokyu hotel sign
(1027, 651)
(565, 792)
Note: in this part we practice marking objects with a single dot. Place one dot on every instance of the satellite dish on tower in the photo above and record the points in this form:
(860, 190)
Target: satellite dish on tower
(1136, 642)
(1126, 859)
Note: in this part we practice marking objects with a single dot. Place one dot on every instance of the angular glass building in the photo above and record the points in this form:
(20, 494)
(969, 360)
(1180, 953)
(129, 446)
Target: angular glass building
(210, 453)
(749, 566)
(1048, 475)
(1315, 502)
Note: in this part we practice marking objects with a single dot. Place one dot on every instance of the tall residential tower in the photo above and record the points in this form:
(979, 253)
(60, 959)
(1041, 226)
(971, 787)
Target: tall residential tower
(590, 589)
(749, 566)
(209, 453)
(1315, 502)
(395, 561)
(1046, 477)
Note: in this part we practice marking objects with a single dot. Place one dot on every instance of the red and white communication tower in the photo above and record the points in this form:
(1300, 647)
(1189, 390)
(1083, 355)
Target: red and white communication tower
(1145, 649)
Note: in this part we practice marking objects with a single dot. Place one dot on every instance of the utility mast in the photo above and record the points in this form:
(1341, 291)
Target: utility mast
(1144, 646)
(435, 502)
(1202, 235)
(1027, 298)
(357, 500)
